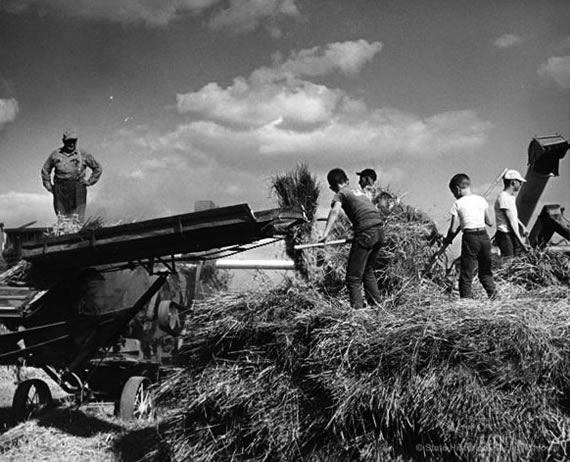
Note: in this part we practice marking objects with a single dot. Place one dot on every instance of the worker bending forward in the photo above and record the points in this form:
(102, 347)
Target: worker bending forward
(69, 187)
(368, 237)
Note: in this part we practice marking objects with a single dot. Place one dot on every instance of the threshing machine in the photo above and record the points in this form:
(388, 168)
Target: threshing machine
(73, 297)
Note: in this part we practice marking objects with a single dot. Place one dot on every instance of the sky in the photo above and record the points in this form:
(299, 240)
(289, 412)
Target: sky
(187, 100)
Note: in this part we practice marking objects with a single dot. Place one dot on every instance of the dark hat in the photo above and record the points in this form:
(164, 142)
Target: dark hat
(370, 173)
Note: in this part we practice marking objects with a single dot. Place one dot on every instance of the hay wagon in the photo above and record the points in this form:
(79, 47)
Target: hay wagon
(99, 310)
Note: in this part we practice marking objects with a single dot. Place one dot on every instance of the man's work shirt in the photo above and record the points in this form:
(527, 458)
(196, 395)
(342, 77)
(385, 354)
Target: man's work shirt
(358, 208)
(504, 202)
(70, 167)
(470, 210)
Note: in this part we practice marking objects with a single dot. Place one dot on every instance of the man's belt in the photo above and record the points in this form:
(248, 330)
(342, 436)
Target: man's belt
(475, 231)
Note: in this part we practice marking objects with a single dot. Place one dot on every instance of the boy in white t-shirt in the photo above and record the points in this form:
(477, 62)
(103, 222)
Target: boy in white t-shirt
(508, 237)
(470, 213)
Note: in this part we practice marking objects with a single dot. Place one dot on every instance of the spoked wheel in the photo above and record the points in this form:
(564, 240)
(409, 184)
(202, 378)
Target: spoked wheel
(30, 397)
(136, 400)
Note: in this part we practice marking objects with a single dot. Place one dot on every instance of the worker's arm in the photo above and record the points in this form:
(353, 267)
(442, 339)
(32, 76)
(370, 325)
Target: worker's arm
(514, 225)
(46, 174)
(331, 219)
(489, 220)
(452, 231)
(96, 169)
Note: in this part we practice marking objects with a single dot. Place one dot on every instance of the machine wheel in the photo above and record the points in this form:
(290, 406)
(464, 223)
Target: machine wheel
(136, 400)
(168, 316)
(30, 397)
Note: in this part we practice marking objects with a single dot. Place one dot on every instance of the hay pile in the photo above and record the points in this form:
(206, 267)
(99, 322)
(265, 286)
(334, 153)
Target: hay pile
(293, 374)
(535, 269)
(289, 375)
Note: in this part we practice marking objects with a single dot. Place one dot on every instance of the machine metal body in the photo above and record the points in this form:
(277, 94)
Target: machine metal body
(544, 155)
(85, 294)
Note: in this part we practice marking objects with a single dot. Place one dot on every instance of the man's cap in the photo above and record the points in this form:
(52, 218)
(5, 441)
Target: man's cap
(368, 172)
(513, 175)
(70, 135)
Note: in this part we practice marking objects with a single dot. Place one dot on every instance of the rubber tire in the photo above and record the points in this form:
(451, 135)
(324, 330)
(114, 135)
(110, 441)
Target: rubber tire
(168, 316)
(22, 408)
(135, 388)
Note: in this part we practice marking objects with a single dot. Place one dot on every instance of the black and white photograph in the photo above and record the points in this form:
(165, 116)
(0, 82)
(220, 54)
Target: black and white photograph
(284, 230)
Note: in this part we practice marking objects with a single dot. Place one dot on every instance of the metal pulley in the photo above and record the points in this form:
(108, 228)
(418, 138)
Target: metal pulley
(169, 317)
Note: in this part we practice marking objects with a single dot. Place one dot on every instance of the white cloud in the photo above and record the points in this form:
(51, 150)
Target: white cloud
(239, 16)
(278, 92)
(276, 111)
(507, 41)
(348, 57)
(237, 136)
(19, 208)
(557, 69)
(244, 16)
(381, 133)
(245, 103)
(205, 160)
(8, 111)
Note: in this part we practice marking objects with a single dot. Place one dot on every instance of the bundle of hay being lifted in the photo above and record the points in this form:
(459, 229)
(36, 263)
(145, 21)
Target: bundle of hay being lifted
(293, 374)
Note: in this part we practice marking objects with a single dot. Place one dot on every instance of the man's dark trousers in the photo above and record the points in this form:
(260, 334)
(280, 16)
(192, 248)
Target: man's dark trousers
(360, 268)
(70, 197)
(475, 252)
(508, 244)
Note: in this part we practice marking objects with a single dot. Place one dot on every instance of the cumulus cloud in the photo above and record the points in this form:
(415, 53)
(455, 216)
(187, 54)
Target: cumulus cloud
(276, 110)
(556, 69)
(239, 16)
(507, 41)
(384, 133)
(245, 103)
(206, 160)
(232, 138)
(244, 16)
(8, 110)
(347, 57)
(278, 92)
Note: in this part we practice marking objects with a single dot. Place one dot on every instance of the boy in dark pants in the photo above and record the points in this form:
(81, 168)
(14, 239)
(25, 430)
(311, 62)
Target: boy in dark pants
(470, 213)
(368, 237)
(508, 237)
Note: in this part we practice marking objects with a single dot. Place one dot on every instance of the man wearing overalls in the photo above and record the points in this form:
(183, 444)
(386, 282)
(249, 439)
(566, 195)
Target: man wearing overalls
(69, 186)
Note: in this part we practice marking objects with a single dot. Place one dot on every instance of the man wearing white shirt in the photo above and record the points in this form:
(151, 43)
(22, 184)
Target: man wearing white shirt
(508, 237)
